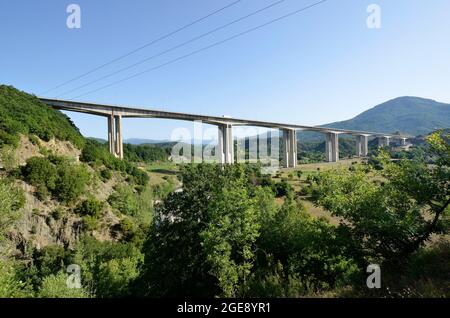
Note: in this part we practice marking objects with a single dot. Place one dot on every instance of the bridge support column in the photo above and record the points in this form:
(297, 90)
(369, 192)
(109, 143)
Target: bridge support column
(111, 134)
(403, 142)
(383, 141)
(115, 140)
(362, 145)
(332, 147)
(119, 139)
(226, 144)
(290, 148)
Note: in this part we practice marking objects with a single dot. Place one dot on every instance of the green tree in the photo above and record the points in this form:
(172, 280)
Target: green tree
(116, 275)
(202, 242)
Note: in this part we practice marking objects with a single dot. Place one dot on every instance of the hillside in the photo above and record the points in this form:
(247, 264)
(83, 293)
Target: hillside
(60, 188)
(24, 114)
(409, 115)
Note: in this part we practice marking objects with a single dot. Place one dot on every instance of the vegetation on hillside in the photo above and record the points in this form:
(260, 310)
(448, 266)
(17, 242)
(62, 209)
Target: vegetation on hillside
(21, 113)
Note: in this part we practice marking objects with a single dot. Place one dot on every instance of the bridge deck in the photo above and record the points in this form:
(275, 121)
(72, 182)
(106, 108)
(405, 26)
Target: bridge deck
(130, 112)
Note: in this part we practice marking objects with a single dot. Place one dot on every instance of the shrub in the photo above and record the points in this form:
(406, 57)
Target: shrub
(55, 286)
(124, 200)
(282, 188)
(58, 213)
(41, 173)
(105, 174)
(56, 175)
(128, 228)
(90, 223)
(71, 182)
(90, 207)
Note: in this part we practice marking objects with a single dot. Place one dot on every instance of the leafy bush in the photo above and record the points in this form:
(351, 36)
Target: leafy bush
(90, 223)
(71, 182)
(105, 174)
(55, 286)
(310, 250)
(128, 228)
(56, 175)
(50, 259)
(41, 173)
(91, 207)
(124, 200)
(58, 213)
(10, 285)
(282, 188)
(116, 275)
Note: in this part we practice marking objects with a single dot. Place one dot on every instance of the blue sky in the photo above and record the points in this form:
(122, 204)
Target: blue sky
(319, 66)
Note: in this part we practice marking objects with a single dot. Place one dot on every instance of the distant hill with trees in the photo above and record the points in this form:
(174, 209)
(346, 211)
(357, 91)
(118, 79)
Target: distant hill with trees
(409, 115)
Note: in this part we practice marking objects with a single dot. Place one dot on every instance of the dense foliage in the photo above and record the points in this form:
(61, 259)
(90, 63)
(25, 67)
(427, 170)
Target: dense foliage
(21, 113)
(393, 218)
(58, 176)
(145, 153)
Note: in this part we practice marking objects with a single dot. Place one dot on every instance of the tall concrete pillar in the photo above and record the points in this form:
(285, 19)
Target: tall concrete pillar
(220, 152)
(383, 141)
(332, 147)
(290, 148)
(403, 142)
(293, 141)
(119, 139)
(362, 145)
(286, 146)
(111, 134)
(225, 144)
(115, 140)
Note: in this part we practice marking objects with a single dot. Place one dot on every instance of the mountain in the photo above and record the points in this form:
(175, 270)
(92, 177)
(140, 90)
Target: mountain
(140, 141)
(409, 115)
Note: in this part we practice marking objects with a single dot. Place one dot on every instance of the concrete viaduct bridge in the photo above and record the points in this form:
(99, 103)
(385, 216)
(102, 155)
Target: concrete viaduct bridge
(115, 113)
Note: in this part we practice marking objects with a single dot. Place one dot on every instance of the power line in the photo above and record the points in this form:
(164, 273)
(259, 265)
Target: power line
(143, 46)
(203, 48)
(172, 48)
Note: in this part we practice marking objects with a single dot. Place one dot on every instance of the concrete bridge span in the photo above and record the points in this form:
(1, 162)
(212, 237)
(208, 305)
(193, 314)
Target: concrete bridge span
(115, 113)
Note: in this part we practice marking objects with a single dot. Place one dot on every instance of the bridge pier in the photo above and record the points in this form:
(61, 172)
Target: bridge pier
(332, 146)
(225, 144)
(115, 140)
(362, 145)
(290, 148)
(383, 141)
(403, 142)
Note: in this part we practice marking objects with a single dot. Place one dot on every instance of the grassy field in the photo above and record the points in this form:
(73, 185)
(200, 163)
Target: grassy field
(162, 172)
(291, 176)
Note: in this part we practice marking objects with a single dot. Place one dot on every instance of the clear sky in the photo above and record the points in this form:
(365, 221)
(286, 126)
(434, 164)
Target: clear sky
(319, 66)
